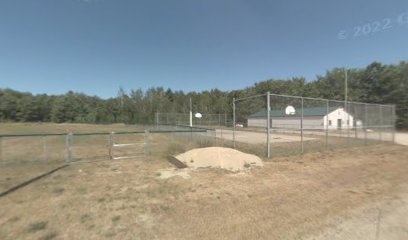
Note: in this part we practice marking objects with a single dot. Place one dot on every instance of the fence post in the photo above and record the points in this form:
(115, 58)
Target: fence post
(355, 122)
(365, 123)
(111, 145)
(268, 123)
(233, 122)
(45, 151)
(68, 147)
(157, 120)
(1, 151)
(215, 136)
(225, 119)
(347, 110)
(377, 124)
(393, 123)
(146, 143)
(222, 139)
(381, 122)
(327, 124)
(301, 125)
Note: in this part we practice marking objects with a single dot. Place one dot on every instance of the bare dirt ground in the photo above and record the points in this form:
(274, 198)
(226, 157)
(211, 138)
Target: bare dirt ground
(219, 157)
(337, 194)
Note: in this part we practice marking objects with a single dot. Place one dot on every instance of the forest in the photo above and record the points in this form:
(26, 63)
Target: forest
(376, 83)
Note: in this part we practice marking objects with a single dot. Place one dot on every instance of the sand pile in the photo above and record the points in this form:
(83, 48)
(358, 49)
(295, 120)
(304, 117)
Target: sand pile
(218, 157)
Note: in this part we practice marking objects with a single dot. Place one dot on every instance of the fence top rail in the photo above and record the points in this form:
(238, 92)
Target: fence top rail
(102, 133)
(245, 98)
(330, 100)
(312, 98)
(177, 131)
(188, 127)
(33, 134)
(282, 95)
(187, 114)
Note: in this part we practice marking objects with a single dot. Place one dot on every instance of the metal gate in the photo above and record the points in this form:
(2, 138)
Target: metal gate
(136, 148)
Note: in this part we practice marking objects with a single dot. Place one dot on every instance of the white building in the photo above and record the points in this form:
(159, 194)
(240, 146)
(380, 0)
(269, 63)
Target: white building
(313, 118)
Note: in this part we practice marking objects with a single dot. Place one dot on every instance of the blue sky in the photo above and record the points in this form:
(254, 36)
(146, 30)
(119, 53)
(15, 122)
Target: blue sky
(96, 46)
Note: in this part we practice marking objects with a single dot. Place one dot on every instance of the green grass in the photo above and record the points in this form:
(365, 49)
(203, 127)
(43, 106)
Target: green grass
(37, 226)
(84, 218)
(81, 190)
(115, 219)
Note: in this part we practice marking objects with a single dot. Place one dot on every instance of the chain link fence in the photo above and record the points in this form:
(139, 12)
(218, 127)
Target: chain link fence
(279, 125)
(268, 125)
(24, 157)
(206, 119)
(72, 147)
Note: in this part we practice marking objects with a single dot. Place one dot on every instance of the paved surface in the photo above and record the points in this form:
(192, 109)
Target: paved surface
(401, 138)
(258, 137)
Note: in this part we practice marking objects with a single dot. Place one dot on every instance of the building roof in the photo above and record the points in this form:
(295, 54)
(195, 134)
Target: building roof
(314, 111)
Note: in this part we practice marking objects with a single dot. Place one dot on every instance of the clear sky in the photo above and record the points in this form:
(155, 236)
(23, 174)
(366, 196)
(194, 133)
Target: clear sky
(96, 46)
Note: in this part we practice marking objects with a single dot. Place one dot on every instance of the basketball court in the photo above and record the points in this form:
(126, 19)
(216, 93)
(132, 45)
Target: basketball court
(258, 137)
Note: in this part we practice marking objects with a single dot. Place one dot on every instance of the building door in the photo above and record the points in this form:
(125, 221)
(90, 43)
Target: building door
(338, 123)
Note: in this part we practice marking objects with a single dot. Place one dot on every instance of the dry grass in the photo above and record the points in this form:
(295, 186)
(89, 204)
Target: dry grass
(23, 158)
(287, 199)
(27, 128)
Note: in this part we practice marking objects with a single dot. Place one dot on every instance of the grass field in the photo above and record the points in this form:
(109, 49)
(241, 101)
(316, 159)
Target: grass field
(22, 158)
(294, 197)
(288, 199)
(27, 128)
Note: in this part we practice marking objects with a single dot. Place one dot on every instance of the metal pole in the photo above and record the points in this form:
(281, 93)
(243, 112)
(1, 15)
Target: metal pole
(215, 136)
(345, 102)
(68, 146)
(268, 123)
(381, 122)
(345, 88)
(146, 143)
(348, 124)
(1, 151)
(45, 153)
(222, 139)
(301, 126)
(393, 123)
(157, 120)
(191, 113)
(111, 145)
(365, 124)
(233, 122)
(327, 124)
(355, 122)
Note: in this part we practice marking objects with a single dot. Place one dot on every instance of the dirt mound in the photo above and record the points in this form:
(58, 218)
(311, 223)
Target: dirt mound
(218, 157)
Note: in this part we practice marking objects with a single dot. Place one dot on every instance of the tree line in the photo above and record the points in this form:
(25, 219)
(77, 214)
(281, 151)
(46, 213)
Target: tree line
(376, 83)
